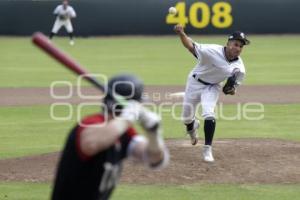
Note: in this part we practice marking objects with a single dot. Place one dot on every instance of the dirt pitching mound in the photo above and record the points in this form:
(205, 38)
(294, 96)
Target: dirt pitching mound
(237, 161)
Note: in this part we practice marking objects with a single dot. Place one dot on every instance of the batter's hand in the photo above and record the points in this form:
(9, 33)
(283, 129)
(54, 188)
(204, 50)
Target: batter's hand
(131, 111)
(149, 120)
(178, 29)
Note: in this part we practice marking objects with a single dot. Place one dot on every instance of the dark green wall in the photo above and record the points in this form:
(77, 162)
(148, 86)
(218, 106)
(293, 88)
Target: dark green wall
(114, 17)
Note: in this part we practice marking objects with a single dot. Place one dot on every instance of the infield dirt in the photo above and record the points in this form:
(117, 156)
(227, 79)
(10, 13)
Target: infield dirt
(237, 161)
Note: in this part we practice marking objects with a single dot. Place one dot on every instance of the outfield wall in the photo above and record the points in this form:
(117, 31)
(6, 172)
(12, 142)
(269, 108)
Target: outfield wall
(115, 17)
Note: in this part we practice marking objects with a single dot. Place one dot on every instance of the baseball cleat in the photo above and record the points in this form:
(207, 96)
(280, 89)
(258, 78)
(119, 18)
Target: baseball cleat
(207, 153)
(193, 133)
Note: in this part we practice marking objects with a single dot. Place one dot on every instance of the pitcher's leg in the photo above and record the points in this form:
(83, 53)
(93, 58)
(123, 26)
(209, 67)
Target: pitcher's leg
(190, 102)
(209, 97)
(209, 130)
(188, 116)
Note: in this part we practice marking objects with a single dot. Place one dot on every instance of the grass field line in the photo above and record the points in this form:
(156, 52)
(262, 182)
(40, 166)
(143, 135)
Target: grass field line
(40, 147)
(13, 68)
(32, 123)
(19, 149)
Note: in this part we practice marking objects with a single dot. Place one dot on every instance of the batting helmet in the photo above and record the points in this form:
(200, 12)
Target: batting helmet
(128, 86)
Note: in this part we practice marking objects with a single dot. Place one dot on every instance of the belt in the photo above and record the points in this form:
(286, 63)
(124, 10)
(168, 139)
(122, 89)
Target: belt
(201, 81)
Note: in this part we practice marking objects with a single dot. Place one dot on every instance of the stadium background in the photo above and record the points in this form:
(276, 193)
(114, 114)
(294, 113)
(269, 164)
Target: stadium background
(255, 159)
(148, 17)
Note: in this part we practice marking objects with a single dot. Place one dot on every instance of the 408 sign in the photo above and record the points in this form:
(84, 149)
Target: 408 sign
(200, 15)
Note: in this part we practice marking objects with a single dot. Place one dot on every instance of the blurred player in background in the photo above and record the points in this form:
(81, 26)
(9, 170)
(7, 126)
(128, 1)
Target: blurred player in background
(64, 13)
(216, 63)
(91, 162)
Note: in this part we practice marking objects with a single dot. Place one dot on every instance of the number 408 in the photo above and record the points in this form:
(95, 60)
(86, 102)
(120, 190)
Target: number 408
(220, 18)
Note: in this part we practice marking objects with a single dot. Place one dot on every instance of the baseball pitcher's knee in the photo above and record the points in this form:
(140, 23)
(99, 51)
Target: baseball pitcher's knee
(208, 115)
(209, 118)
(187, 120)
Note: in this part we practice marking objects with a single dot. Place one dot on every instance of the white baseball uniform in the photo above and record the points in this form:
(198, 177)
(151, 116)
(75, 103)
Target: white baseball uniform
(203, 83)
(69, 13)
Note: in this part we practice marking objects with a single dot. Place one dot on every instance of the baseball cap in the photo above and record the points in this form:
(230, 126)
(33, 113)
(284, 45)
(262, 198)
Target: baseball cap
(238, 35)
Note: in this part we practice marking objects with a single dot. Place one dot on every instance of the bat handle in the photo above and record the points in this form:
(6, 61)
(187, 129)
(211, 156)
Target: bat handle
(95, 83)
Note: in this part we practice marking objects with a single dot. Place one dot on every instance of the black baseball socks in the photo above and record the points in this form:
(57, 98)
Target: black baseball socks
(209, 130)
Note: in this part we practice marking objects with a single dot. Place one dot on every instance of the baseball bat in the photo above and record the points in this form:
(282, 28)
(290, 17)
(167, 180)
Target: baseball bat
(40, 40)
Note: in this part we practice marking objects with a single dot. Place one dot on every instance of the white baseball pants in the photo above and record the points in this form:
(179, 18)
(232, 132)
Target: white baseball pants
(59, 23)
(196, 93)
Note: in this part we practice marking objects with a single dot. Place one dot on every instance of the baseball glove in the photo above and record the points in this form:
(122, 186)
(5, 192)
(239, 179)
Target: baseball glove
(63, 17)
(229, 87)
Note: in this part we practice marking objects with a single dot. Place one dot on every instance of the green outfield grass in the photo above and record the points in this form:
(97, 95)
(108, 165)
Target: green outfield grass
(26, 191)
(30, 130)
(209, 192)
(158, 60)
